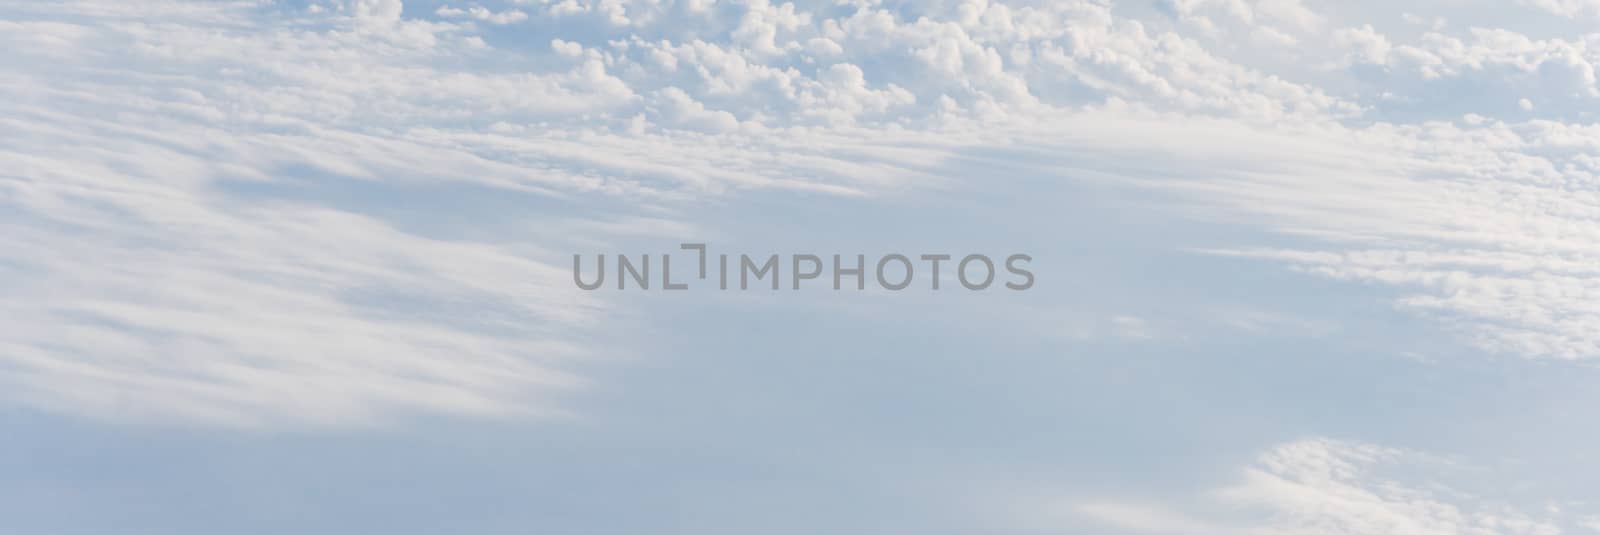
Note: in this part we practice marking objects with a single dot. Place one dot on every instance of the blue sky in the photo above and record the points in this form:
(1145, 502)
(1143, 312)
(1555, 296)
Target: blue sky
(304, 266)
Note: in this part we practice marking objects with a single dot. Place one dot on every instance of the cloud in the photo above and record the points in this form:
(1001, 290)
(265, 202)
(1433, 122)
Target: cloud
(373, 11)
(1328, 487)
(1571, 9)
(161, 268)
(202, 149)
(509, 16)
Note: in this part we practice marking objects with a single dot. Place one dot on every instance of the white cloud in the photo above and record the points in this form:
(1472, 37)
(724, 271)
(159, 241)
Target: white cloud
(1566, 8)
(1365, 43)
(377, 11)
(509, 16)
(1326, 487)
(125, 126)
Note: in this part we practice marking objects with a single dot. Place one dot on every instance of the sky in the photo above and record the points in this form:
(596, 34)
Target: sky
(305, 266)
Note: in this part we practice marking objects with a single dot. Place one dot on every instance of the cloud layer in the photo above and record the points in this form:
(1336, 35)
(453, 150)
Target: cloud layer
(190, 185)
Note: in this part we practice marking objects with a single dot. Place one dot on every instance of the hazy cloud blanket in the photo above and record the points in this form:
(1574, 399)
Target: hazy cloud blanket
(324, 214)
